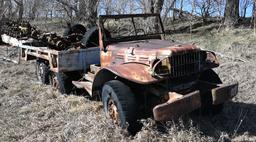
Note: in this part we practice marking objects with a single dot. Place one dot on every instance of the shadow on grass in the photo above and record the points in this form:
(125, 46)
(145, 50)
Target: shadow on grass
(235, 119)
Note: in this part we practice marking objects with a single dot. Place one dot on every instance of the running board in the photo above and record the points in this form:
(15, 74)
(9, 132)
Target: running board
(83, 85)
(94, 68)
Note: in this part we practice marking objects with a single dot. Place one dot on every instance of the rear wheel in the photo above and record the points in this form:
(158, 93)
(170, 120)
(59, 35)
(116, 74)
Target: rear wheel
(42, 72)
(119, 104)
(1, 42)
(63, 81)
(207, 106)
(53, 80)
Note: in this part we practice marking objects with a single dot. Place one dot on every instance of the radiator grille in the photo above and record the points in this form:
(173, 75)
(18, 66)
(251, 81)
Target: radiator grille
(185, 64)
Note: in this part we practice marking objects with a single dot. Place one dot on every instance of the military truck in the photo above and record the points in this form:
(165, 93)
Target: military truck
(141, 73)
(134, 71)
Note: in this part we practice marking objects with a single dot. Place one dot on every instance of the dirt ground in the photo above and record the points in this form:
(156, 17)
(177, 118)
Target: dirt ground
(33, 112)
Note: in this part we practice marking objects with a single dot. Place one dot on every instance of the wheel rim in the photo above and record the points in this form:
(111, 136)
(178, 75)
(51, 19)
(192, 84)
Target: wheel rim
(113, 111)
(40, 72)
(54, 81)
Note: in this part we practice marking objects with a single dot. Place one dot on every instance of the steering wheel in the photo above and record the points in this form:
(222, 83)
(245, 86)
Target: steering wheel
(140, 30)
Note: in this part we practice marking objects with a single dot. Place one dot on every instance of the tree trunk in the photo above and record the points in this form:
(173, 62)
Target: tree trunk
(88, 10)
(245, 10)
(10, 7)
(1, 9)
(158, 6)
(231, 13)
(168, 9)
(153, 6)
(149, 6)
(34, 9)
(181, 8)
(253, 20)
(21, 10)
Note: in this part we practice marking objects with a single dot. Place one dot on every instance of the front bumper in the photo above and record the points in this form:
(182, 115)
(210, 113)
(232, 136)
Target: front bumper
(178, 105)
(223, 93)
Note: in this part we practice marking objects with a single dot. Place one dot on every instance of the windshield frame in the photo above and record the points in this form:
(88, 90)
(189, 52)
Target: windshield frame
(106, 40)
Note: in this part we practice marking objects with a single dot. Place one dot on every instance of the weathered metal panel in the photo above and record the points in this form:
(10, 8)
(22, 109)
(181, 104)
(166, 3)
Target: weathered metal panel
(177, 106)
(75, 60)
(224, 93)
(136, 72)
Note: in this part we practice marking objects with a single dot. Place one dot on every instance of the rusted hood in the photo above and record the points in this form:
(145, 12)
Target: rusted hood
(154, 47)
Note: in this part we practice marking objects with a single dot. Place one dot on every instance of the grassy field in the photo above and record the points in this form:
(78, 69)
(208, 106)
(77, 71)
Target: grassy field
(33, 112)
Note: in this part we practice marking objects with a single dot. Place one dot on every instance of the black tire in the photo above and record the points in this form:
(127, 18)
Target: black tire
(119, 93)
(1, 42)
(207, 107)
(65, 85)
(42, 72)
(63, 81)
(77, 28)
(91, 37)
(211, 76)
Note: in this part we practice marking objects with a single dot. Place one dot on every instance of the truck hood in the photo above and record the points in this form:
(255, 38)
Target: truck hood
(144, 51)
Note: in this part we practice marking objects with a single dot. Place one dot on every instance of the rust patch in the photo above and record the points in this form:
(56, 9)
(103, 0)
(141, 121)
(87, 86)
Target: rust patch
(136, 72)
(224, 93)
(105, 58)
(176, 106)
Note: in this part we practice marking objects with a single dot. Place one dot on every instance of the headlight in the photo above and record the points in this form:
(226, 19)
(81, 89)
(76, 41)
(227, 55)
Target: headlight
(161, 67)
(211, 58)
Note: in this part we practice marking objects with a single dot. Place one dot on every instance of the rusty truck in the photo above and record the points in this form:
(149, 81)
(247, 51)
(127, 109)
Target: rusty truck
(130, 66)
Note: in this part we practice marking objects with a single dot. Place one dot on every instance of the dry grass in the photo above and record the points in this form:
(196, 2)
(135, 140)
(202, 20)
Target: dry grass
(33, 112)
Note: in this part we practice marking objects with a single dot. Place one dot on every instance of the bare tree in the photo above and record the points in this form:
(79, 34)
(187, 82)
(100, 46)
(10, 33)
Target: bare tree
(158, 6)
(231, 12)
(20, 7)
(220, 5)
(107, 6)
(167, 7)
(2, 8)
(152, 6)
(70, 7)
(253, 19)
(207, 8)
(89, 11)
(244, 5)
(82, 10)
(34, 9)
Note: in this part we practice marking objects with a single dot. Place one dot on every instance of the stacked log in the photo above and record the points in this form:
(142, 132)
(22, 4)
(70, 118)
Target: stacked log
(24, 30)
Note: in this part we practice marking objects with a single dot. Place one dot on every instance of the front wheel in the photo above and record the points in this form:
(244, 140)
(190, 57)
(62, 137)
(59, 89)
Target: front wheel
(208, 108)
(119, 103)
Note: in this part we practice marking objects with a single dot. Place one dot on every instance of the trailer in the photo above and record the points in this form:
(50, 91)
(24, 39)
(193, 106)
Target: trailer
(52, 62)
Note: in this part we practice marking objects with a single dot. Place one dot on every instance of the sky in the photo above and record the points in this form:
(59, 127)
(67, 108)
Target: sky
(186, 6)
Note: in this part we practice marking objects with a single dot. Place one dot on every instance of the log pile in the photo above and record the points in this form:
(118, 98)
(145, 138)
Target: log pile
(24, 30)
(19, 29)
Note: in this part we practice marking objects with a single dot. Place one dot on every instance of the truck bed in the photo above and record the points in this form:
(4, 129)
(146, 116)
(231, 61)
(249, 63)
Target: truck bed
(59, 61)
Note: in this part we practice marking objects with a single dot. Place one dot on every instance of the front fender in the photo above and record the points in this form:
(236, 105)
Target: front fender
(134, 72)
